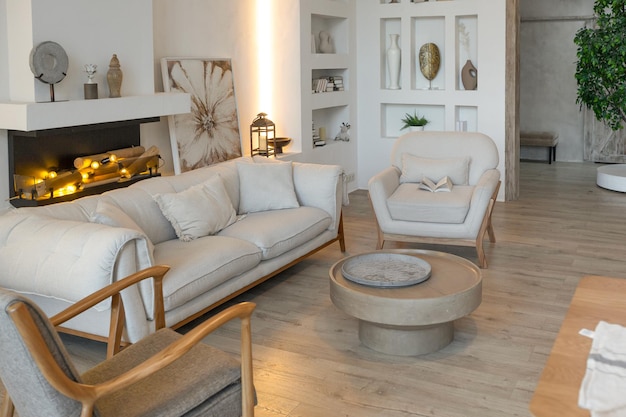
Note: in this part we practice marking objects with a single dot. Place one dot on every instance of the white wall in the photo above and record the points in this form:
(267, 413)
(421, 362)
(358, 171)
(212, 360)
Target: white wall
(227, 29)
(547, 68)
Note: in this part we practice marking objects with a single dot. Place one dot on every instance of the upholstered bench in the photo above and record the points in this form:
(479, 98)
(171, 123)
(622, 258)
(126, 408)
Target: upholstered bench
(541, 139)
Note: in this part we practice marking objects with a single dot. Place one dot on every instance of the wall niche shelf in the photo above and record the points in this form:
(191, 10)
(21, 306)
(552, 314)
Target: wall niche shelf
(324, 111)
(454, 26)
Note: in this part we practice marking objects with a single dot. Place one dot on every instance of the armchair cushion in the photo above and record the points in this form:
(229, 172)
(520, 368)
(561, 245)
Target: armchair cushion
(415, 168)
(409, 203)
(190, 384)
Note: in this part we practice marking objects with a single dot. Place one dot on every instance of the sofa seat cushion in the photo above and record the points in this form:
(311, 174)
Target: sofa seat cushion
(409, 203)
(202, 264)
(278, 231)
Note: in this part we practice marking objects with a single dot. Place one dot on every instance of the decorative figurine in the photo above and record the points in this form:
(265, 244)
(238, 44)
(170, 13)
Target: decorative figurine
(90, 87)
(344, 132)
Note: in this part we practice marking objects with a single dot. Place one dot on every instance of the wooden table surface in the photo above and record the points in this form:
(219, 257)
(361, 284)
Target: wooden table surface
(596, 298)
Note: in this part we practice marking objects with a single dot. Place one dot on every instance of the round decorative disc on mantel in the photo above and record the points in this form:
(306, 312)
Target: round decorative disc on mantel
(49, 62)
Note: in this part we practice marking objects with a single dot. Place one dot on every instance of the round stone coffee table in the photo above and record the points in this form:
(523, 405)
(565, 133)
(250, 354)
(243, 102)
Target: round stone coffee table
(410, 320)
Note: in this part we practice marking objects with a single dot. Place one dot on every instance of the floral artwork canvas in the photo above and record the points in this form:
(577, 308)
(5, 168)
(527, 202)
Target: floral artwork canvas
(210, 132)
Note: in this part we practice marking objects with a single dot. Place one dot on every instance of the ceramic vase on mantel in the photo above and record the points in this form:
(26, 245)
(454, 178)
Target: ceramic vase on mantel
(393, 62)
(469, 76)
(114, 77)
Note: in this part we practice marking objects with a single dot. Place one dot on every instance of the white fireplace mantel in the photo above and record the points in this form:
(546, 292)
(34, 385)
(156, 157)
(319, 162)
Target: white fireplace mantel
(38, 116)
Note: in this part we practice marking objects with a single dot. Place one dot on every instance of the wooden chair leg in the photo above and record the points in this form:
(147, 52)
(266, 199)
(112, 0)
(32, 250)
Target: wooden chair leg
(492, 203)
(482, 259)
(7, 409)
(342, 240)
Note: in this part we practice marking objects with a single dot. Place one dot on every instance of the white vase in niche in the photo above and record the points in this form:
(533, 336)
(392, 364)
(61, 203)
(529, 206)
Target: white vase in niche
(393, 62)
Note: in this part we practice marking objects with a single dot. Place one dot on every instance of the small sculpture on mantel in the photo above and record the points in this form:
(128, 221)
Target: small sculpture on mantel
(344, 132)
(90, 87)
(114, 77)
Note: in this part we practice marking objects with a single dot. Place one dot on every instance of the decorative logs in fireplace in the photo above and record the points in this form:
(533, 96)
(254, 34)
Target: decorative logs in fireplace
(91, 171)
(45, 165)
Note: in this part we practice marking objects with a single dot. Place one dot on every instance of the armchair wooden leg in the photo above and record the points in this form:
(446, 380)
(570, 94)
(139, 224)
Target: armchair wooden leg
(380, 242)
(7, 409)
(492, 203)
(486, 227)
(342, 240)
(490, 232)
(482, 259)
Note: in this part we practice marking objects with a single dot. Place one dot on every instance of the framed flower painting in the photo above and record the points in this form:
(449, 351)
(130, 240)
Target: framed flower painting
(210, 132)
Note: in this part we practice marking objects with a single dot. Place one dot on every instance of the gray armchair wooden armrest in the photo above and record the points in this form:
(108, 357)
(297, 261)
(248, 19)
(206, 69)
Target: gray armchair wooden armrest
(168, 373)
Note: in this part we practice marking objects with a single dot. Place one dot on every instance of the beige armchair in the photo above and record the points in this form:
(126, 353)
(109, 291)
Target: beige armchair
(459, 217)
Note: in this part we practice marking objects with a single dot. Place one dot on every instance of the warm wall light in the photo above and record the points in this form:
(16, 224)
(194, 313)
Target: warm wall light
(265, 53)
(262, 133)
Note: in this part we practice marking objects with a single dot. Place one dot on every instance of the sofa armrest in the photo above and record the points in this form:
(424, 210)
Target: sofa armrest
(483, 191)
(65, 259)
(321, 186)
(381, 186)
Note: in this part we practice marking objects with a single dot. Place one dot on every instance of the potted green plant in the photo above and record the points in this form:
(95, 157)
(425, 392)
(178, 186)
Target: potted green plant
(600, 68)
(414, 121)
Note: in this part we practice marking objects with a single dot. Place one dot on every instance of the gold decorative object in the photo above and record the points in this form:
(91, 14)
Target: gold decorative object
(430, 60)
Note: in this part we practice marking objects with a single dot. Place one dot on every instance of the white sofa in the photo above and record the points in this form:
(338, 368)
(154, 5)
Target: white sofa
(59, 253)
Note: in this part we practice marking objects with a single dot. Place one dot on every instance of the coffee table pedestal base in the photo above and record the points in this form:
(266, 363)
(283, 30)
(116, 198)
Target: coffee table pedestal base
(405, 340)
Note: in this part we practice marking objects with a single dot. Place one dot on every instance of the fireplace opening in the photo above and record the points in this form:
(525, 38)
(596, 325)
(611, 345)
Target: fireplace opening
(54, 165)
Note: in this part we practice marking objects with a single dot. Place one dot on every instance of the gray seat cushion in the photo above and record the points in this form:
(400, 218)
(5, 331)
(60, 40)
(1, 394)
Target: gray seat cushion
(275, 232)
(202, 264)
(205, 378)
(409, 203)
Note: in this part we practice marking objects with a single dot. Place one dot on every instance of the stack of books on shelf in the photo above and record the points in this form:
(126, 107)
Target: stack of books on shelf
(338, 83)
(327, 84)
(317, 140)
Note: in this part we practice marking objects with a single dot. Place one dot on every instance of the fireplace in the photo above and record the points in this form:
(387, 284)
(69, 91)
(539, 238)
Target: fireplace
(43, 163)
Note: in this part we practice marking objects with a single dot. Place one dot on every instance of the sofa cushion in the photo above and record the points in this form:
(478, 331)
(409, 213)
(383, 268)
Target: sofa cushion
(265, 187)
(141, 207)
(201, 210)
(202, 264)
(415, 168)
(278, 231)
(410, 203)
(111, 215)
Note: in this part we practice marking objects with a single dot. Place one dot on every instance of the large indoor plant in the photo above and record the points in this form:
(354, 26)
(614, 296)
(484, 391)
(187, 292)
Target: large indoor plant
(601, 64)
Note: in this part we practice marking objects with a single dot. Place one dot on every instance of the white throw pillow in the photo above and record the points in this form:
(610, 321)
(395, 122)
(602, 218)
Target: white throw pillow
(414, 168)
(198, 211)
(265, 187)
(111, 215)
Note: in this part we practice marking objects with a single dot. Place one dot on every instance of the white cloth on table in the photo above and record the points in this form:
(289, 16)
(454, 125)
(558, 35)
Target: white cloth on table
(603, 390)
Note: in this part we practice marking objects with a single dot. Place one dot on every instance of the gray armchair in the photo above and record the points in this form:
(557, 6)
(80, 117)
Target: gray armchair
(164, 374)
(459, 217)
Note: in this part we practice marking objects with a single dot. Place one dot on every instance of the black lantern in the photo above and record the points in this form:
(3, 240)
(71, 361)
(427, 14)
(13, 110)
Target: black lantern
(262, 133)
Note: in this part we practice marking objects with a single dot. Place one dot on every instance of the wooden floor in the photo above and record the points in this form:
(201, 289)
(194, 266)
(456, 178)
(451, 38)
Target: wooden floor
(308, 361)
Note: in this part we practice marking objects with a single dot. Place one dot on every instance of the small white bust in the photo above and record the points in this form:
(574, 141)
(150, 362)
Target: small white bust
(90, 69)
